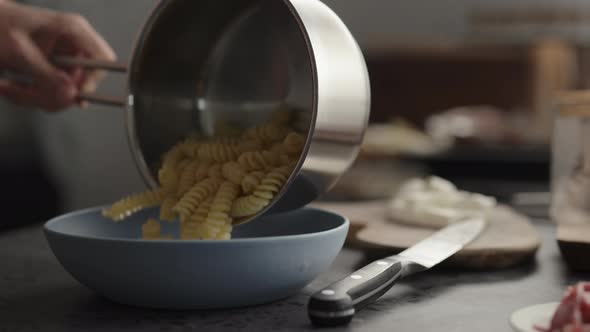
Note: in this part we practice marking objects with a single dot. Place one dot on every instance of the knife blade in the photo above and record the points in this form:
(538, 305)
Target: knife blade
(337, 303)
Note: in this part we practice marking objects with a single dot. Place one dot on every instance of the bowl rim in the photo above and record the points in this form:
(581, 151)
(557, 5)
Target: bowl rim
(343, 225)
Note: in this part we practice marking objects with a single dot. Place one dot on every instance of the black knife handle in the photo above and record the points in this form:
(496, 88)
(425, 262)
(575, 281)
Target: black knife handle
(337, 303)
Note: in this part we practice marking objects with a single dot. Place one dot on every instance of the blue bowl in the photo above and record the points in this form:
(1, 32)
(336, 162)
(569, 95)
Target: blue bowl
(268, 259)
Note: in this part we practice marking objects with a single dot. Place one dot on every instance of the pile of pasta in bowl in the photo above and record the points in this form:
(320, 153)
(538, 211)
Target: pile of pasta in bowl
(207, 183)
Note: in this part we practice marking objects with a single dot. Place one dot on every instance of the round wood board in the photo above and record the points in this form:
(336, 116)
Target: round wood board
(508, 240)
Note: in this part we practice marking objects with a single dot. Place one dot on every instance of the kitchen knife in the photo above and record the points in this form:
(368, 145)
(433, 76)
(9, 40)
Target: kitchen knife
(337, 303)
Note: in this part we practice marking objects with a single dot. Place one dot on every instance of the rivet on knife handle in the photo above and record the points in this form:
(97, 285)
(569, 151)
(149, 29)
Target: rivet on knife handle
(337, 303)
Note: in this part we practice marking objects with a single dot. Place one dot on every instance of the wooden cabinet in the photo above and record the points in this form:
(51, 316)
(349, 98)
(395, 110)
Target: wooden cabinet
(414, 81)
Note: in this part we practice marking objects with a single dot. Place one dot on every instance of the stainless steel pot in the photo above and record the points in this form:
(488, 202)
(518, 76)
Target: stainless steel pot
(195, 61)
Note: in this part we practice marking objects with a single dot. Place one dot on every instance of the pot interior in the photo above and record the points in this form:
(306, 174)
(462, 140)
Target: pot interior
(201, 63)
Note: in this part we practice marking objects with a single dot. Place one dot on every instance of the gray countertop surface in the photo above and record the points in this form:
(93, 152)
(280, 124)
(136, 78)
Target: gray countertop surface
(37, 294)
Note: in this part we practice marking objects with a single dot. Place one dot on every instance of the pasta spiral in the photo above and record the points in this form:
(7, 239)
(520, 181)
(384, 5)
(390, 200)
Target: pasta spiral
(253, 161)
(166, 207)
(189, 231)
(233, 172)
(191, 200)
(225, 233)
(279, 150)
(264, 192)
(226, 140)
(248, 206)
(129, 205)
(224, 197)
(217, 152)
(272, 182)
(201, 212)
(251, 181)
(215, 171)
(294, 143)
(192, 228)
(150, 230)
(218, 215)
(224, 236)
(187, 177)
(190, 147)
(250, 145)
(202, 171)
(168, 174)
(168, 179)
(173, 156)
(209, 232)
(182, 165)
(269, 132)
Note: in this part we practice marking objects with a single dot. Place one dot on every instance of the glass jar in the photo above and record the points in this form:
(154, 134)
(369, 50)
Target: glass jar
(570, 160)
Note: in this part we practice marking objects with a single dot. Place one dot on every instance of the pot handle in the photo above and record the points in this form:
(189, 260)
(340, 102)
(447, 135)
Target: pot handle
(68, 61)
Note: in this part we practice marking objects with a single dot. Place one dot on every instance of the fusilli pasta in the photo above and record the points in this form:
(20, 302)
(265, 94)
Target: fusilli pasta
(293, 143)
(269, 186)
(253, 161)
(189, 231)
(248, 206)
(201, 212)
(219, 211)
(217, 152)
(233, 172)
(268, 133)
(226, 140)
(207, 182)
(190, 147)
(202, 171)
(187, 177)
(168, 179)
(215, 171)
(173, 156)
(251, 181)
(129, 205)
(166, 207)
(181, 166)
(191, 200)
(150, 230)
(250, 145)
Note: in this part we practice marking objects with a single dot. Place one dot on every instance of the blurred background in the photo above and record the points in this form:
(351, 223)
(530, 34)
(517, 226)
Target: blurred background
(460, 88)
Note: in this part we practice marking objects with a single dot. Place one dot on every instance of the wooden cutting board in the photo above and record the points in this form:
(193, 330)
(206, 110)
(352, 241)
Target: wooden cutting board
(509, 239)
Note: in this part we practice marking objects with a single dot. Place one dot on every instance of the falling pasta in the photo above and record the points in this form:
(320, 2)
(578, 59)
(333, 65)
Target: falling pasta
(206, 183)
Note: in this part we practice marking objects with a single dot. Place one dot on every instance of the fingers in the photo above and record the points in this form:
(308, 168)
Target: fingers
(47, 98)
(24, 56)
(84, 39)
(28, 50)
(49, 88)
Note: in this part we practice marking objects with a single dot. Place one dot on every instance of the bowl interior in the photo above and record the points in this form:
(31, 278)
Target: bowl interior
(90, 223)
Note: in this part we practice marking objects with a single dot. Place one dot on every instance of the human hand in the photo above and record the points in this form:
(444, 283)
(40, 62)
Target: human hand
(29, 38)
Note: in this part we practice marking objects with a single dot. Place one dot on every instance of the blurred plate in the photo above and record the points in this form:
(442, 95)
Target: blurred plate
(525, 319)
